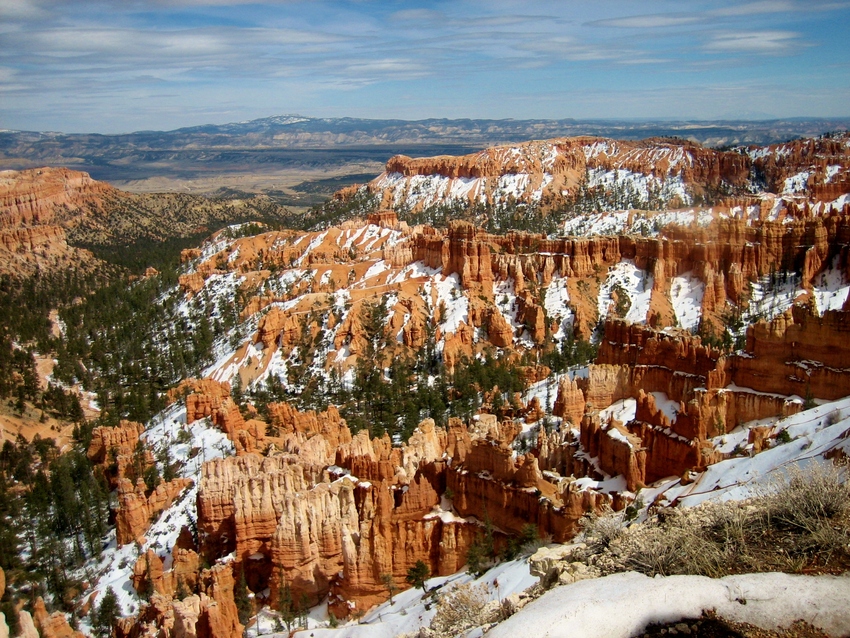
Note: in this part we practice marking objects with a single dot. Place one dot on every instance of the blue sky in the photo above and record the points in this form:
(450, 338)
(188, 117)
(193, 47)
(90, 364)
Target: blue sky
(125, 65)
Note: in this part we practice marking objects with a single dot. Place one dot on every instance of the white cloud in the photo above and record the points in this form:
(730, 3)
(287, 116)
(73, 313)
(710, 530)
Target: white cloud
(655, 21)
(20, 10)
(769, 42)
(754, 8)
(779, 6)
(417, 15)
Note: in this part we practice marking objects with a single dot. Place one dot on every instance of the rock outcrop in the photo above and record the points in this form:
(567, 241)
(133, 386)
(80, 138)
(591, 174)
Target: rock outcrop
(53, 625)
(114, 449)
(136, 508)
(308, 505)
(209, 614)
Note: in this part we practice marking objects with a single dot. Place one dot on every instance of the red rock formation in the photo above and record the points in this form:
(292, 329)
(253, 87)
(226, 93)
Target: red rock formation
(565, 161)
(191, 283)
(384, 218)
(53, 625)
(34, 204)
(136, 508)
(206, 396)
(210, 614)
(35, 196)
(797, 353)
(499, 331)
(148, 572)
(715, 392)
(279, 327)
(570, 403)
(280, 515)
(116, 445)
(618, 450)
(782, 161)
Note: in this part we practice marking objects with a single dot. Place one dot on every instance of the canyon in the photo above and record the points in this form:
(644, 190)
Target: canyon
(706, 322)
(51, 218)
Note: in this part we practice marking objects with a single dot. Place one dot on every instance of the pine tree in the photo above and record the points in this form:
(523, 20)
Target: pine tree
(106, 615)
(418, 574)
(285, 604)
(475, 557)
(240, 597)
(182, 589)
(389, 583)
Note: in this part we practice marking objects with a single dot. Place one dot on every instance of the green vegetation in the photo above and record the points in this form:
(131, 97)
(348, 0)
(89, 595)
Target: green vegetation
(107, 614)
(333, 212)
(54, 507)
(418, 574)
(244, 609)
(129, 344)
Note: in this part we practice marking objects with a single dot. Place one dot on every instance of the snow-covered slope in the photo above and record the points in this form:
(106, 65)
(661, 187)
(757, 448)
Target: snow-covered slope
(622, 605)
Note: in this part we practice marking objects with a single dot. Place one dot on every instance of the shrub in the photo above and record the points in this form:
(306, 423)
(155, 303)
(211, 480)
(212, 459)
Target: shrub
(800, 523)
(460, 608)
(600, 530)
(810, 498)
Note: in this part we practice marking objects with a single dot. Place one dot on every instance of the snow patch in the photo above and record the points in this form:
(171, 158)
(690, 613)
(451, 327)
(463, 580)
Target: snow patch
(686, 293)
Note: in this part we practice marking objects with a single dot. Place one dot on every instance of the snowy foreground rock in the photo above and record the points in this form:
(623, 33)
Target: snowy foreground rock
(622, 605)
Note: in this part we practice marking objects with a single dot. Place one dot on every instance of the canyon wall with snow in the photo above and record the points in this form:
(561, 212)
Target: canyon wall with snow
(705, 318)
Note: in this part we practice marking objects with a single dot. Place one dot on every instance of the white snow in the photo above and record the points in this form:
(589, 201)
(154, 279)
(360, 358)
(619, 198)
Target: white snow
(623, 411)
(622, 605)
(686, 292)
(203, 443)
(796, 183)
(669, 407)
(592, 224)
(831, 171)
(557, 308)
(637, 285)
(830, 289)
(506, 302)
(374, 270)
(450, 293)
(741, 477)
(772, 295)
(408, 612)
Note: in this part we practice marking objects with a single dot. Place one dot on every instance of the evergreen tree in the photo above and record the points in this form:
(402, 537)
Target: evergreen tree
(107, 614)
(285, 604)
(418, 574)
(389, 583)
(182, 590)
(240, 597)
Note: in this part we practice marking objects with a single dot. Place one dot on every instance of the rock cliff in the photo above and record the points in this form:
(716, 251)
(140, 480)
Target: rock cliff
(704, 320)
(549, 173)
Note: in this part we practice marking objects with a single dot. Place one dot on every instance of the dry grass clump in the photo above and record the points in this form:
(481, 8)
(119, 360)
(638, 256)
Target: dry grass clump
(460, 608)
(600, 530)
(801, 524)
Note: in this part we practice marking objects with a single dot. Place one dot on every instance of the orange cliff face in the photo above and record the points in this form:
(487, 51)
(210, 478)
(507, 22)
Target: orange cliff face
(45, 196)
(547, 173)
(329, 513)
(706, 393)
(544, 171)
(36, 207)
(302, 516)
(309, 504)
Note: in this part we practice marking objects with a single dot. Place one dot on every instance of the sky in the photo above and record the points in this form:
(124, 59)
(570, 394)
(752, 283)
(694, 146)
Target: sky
(127, 65)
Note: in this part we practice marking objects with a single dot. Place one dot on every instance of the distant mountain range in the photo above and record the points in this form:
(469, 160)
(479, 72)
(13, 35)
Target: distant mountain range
(294, 142)
(295, 131)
